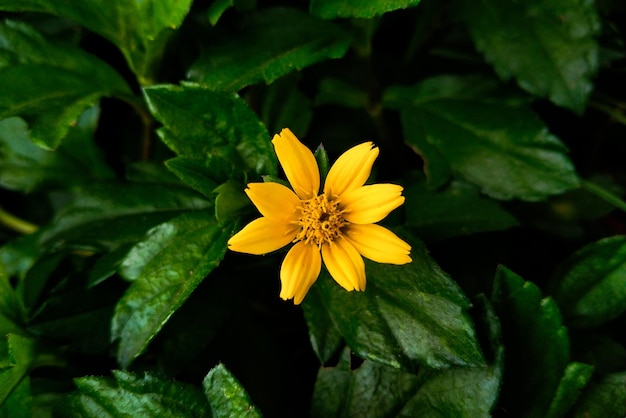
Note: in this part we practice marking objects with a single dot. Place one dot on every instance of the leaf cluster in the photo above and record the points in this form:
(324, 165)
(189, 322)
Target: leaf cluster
(129, 129)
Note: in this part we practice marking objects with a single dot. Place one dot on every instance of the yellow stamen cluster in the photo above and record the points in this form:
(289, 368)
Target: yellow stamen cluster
(321, 220)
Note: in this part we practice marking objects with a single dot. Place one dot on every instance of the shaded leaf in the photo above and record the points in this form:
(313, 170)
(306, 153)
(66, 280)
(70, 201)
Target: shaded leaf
(591, 287)
(334, 91)
(167, 266)
(17, 354)
(206, 125)
(548, 47)
(467, 126)
(409, 315)
(268, 45)
(603, 398)
(331, 9)
(131, 395)
(285, 106)
(456, 210)
(217, 8)
(26, 167)
(226, 395)
(49, 84)
(139, 28)
(19, 404)
(536, 344)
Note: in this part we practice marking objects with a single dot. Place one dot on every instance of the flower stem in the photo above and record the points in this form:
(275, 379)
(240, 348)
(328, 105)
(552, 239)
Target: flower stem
(604, 194)
(146, 122)
(15, 223)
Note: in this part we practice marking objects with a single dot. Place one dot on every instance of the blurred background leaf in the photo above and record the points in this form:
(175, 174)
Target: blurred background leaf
(139, 29)
(549, 48)
(268, 45)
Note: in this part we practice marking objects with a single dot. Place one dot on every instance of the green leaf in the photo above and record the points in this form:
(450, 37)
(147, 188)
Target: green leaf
(203, 124)
(26, 167)
(371, 390)
(167, 266)
(456, 210)
(591, 287)
(409, 315)
(548, 47)
(285, 106)
(226, 395)
(139, 28)
(105, 215)
(331, 9)
(133, 395)
(76, 315)
(536, 344)
(326, 338)
(604, 398)
(321, 156)
(10, 307)
(217, 8)
(575, 378)
(268, 45)
(49, 84)
(231, 202)
(377, 390)
(19, 404)
(338, 92)
(17, 354)
(466, 125)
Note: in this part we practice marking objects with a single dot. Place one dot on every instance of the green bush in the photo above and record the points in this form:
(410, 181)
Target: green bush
(130, 128)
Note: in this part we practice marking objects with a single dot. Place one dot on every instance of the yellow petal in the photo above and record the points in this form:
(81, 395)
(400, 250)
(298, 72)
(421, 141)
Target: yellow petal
(345, 264)
(370, 204)
(298, 163)
(263, 236)
(274, 201)
(351, 170)
(378, 244)
(300, 269)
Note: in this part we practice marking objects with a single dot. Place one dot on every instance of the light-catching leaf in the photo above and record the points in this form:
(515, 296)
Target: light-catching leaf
(548, 47)
(591, 287)
(217, 129)
(409, 315)
(17, 354)
(331, 9)
(49, 84)
(575, 378)
(166, 267)
(376, 390)
(466, 125)
(267, 46)
(226, 395)
(456, 210)
(131, 395)
(139, 28)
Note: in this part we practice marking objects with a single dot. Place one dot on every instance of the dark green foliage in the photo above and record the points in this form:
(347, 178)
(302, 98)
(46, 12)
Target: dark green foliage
(130, 128)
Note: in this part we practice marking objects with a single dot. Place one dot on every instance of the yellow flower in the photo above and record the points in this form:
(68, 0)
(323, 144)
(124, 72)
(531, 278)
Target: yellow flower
(337, 225)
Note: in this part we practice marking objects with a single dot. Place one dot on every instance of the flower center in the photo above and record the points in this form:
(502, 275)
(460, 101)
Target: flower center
(321, 220)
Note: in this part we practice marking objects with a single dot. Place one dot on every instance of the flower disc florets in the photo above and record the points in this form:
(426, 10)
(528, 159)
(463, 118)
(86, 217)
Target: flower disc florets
(321, 220)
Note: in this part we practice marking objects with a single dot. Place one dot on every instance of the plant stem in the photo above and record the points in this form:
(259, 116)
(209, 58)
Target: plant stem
(604, 195)
(146, 123)
(15, 223)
